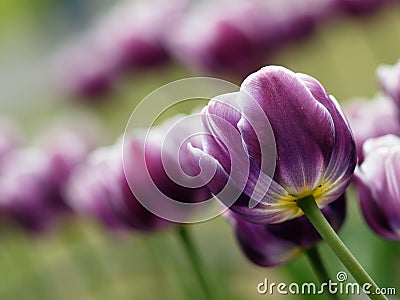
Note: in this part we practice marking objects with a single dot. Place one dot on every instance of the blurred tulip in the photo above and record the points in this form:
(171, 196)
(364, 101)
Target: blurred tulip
(229, 41)
(389, 79)
(135, 31)
(236, 39)
(28, 197)
(32, 179)
(97, 186)
(372, 118)
(85, 70)
(158, 167)
(65, 149)
(290, 114)
(129, 37)
(274, 244)
(378, 185)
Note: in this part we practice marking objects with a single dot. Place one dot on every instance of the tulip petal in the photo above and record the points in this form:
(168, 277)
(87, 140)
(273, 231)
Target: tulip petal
(343, 160)
(260, 246)
(378, 186)
(303, 127)
(391, 188)
(372, 212)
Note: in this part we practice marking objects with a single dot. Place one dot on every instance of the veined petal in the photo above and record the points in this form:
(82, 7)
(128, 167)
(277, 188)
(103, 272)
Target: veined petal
(343, 159)
(303, 127)
(379, 187)
(372, 212)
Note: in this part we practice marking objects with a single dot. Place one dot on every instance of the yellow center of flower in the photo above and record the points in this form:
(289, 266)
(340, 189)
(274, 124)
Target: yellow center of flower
(289, 201)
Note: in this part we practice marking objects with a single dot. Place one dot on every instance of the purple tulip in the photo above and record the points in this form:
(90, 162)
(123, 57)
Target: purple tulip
(288, 114)
(158, 167)
(86, 70)
(130, 37)
(235, 38)
(389, 79)
(26, 196)
(32, 179)
(135, 32)
(372, 118)
(97, 188)
(378, 185)
(274, 244)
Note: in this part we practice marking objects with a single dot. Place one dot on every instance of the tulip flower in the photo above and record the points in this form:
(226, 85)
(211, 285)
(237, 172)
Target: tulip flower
(370, 119)
(284, 144)
(292, 113)
(378, 185)
(157, 166)
(274, 244)
(237, 39)
(130, 37)
(98, 188)
(26, 196)
(85, 70)
(230, 41)
(134, 32)
(389, 80)
(32, 179)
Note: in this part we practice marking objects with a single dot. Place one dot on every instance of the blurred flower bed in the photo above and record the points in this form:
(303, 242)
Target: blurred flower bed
(73, 71)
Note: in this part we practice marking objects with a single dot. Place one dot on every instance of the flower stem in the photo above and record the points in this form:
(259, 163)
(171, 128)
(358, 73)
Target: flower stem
(195, 261)
(319, 268)
(314, 214)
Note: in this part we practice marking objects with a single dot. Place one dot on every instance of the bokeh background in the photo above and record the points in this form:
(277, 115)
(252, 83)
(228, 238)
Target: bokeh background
(78, 258)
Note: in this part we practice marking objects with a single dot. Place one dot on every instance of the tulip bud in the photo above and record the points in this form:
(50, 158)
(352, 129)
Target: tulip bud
(283, 118)
(378, 185)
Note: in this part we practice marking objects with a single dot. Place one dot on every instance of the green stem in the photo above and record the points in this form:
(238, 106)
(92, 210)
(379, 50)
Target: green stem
(317, 265)
(314, 214)
(319, 268)
(195, 261)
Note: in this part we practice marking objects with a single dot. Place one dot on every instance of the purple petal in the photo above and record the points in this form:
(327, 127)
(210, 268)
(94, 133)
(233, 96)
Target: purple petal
(373, 213)
(303, 128)
(379, 187)
(260, 246)
(343, 158)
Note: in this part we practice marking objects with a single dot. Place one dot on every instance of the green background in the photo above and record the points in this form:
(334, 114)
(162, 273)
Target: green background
(79, 259)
